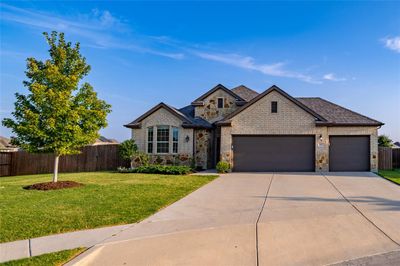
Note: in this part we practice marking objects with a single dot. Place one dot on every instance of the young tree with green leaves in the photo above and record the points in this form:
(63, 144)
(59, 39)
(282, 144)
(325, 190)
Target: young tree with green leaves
(384, 141)
(59, 114)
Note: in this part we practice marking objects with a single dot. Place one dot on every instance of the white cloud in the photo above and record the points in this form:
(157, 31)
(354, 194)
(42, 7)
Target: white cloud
(333, 77)
(102, 30)
(392, 43)
(99, 29)
(247, 62)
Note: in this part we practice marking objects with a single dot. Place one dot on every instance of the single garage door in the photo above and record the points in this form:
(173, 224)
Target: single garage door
(349, 153)
(273, 153)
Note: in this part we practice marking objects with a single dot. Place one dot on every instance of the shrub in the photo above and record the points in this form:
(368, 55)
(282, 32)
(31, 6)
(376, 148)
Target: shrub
(127, 150)
(223, 167)
(141, 158)
(158, 169)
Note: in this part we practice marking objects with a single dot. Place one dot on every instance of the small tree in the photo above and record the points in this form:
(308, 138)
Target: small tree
(384, 141)
(58, 115)
(127, 150)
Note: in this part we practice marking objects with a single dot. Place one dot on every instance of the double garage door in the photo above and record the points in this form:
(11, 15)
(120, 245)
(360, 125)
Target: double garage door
(296, 153)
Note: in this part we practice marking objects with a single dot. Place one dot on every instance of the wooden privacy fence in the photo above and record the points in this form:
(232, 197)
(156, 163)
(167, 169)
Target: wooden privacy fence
(92, 158)
(396, 158)
(388, 158)
(385, 158)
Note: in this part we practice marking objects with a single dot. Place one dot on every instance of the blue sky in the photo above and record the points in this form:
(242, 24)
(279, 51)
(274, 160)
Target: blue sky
(143, 53)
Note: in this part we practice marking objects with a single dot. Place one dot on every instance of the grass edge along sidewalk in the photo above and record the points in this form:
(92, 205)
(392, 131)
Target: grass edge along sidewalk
(107, 198)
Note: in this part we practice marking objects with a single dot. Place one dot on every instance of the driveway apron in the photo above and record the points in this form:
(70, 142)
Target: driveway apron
(306, 219)
(378, 199)
(214, 225)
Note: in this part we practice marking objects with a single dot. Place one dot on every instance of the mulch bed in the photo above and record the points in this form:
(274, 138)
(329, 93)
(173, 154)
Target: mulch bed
(53, 185)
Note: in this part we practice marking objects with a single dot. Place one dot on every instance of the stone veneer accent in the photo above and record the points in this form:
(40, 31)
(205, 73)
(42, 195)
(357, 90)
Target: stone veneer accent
(203, 146)
(290, 119)
(210, 111)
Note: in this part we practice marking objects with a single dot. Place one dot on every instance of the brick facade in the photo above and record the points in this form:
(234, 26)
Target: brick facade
(290, 120)
(164, 117)
(256, 119)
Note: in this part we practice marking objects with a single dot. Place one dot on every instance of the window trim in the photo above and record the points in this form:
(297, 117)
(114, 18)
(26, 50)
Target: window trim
(274, 107)
(150, 141)
(223, 102)
(175, 129)
(164, 141)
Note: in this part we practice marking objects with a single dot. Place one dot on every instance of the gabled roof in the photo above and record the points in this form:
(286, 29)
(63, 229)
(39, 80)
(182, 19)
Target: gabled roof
(245, 92)
(218, 87)
(337, 115)
(136, 123)
(283, 93)
(189, 121)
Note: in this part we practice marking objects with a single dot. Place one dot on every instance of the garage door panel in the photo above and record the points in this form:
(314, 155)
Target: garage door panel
(274, 153)
(349, 153)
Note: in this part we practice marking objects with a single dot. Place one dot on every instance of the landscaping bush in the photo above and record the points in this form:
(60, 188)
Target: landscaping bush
(158, 169)
(223, 167)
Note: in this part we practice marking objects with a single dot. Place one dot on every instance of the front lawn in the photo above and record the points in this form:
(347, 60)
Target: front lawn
(393, 175)
(107, 198)
(50, 259)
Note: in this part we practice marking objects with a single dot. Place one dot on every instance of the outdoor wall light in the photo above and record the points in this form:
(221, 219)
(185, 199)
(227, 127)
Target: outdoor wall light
(187, 139)
(320, 137)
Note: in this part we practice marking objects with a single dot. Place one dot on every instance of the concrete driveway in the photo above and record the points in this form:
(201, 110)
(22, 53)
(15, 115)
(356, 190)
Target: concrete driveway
(264, 219)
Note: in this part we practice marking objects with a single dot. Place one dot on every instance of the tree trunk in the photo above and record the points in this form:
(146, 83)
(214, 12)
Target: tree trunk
(55, 175)
(131, 163)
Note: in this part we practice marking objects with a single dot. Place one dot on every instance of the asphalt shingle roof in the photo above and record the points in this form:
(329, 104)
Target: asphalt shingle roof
(188, 112)
(245, 92)
(334, 113)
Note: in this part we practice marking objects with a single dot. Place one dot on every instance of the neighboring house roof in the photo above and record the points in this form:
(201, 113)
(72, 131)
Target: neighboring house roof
(199, 100)
(245, 92)
(396, 145)
(186, 115)
(103, 140)
(260, 96)
(336, 114)
(5, 144)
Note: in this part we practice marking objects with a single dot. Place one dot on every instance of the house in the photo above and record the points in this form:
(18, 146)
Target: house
(6, 146)
(271, 131)
(104, 141)
(396, 145)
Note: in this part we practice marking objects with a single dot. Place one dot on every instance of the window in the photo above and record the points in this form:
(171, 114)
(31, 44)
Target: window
(175, 138)
(274, 107)
(220, 103)
(163, 139)
(150, 140)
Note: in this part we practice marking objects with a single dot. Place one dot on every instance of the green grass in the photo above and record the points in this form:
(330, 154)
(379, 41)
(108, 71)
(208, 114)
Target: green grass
(393, 175)
(51, 259)
(107, 198)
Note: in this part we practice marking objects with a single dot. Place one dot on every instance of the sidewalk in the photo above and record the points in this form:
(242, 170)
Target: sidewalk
(37, 246)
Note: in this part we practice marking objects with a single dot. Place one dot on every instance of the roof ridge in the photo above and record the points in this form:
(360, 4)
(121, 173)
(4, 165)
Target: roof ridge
(283, 93)
(349, 110)
(215, 88)
(246, 88)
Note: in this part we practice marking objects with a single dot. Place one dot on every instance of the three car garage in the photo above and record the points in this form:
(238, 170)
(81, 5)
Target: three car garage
(296, 153)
